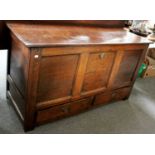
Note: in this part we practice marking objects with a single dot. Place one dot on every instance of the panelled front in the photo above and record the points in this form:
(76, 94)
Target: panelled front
(58, 72)
(127, 68)
(56, 77)
(98, 70)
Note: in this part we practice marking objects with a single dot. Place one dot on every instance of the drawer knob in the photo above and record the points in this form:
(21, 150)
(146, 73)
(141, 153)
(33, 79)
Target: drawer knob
(65, 109)
(102, 55)
(113, 95)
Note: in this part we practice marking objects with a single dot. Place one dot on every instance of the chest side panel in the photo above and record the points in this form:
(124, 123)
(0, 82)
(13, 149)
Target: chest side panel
(19, 65)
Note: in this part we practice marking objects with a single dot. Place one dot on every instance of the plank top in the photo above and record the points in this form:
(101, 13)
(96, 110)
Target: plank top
(33, 35)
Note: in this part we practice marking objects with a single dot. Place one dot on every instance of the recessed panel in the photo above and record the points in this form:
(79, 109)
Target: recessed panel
(98, 71)
(127, 68)
(57, 75)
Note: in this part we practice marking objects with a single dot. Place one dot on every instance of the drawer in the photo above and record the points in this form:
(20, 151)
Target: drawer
(80, 105)
(112, 96)
(61, 111)
(102, 99)
(52, 113)
(121, 94)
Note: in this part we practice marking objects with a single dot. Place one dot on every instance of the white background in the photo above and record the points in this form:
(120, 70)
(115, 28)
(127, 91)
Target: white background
(77, 9)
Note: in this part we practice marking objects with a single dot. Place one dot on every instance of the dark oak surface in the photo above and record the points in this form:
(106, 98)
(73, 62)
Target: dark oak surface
(56, 71)
(61, 76)
(4, 35)
(98, 69)
(57, 35)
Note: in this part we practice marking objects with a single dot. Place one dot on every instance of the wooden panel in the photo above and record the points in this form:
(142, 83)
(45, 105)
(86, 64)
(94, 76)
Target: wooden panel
(46, 52)
(4, 36)
(60, 111)
(112, 96)
(57, 75)
(19, 65)
(127, 68)
(60, 35)
(98, 71)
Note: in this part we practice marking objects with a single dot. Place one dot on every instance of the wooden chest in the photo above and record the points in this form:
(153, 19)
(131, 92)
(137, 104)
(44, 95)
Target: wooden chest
(57, 71)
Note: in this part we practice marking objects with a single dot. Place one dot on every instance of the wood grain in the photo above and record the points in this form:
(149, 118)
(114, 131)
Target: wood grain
(80, 75)
(32, 85)
(61, 70)
(59, 35)
(56, 77)
(98, 70)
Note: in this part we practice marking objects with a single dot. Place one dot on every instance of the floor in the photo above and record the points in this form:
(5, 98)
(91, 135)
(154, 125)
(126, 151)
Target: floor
(135, 115)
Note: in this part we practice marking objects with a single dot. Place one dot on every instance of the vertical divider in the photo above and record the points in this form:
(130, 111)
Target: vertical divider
(115, 68)
(33, 75)
(77, 87)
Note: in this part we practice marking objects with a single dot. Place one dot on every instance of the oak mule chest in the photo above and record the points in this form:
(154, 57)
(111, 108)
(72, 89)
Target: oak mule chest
(56, 71)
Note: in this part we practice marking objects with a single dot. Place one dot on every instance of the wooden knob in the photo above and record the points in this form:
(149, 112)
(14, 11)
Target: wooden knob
(102, 55)
(114, 95)
(65, 109)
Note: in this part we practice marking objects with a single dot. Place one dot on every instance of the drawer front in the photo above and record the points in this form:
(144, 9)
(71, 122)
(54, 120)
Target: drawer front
(102, 99)
(113, 96)
(61, 111)
(121, 94)
(81, 105)
(52, 113)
